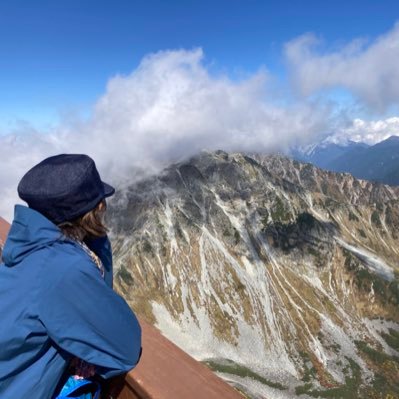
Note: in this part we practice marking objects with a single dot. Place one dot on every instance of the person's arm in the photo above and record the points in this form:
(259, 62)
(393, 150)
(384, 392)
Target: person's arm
(87, 319)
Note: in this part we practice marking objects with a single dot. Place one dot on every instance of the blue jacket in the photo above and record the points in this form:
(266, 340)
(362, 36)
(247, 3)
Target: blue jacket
(54, 304)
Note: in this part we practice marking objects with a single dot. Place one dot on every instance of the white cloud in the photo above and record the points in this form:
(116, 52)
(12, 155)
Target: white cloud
(370, 132)
(369, 70)
(168, 108)
(171, 107)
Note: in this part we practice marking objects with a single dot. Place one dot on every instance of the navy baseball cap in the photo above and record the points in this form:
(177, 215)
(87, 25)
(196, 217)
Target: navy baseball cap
(64, 187)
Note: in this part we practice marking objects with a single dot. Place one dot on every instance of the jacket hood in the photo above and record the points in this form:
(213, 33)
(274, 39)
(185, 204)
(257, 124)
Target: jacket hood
(29, 231)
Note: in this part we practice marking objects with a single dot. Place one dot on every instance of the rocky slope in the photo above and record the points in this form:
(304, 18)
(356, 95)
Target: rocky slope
(281, 276)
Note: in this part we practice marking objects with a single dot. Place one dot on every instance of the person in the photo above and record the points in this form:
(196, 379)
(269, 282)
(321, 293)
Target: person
(57, 306)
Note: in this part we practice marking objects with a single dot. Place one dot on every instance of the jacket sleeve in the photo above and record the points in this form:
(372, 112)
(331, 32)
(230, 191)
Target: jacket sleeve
(87, 319)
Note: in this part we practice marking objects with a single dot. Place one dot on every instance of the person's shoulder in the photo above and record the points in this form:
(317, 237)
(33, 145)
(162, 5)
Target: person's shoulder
(66, 258)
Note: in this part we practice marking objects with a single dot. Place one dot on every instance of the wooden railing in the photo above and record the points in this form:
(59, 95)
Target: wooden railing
(164, 371)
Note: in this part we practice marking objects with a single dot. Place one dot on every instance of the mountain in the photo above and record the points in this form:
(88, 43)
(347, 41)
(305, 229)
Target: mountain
(280, 276)
(326, 153)
(379, 162)
(4, 226)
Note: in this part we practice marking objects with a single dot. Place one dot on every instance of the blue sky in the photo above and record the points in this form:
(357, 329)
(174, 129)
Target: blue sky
(57, 56)
(141, 84)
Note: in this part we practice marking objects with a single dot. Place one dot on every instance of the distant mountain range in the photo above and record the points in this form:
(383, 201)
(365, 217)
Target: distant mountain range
(379, 162)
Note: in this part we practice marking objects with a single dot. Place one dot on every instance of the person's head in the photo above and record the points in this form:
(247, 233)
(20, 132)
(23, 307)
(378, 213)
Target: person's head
(68, 190)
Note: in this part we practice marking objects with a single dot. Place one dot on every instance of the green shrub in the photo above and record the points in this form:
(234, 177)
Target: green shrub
(375, 219)
(230, 367)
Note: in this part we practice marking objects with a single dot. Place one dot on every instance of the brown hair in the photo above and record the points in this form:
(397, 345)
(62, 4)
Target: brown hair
(90, 225)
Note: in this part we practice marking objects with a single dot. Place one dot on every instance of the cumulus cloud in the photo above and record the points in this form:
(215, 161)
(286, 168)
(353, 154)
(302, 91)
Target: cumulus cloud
(370, 132)
(170, 107)
(368, 69)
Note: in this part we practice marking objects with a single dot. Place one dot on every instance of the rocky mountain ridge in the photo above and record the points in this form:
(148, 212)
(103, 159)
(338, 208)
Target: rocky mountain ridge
(281, 276)
(379, 162)
(325, 153)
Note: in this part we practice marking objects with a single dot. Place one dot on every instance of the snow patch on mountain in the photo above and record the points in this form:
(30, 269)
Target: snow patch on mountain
(373, 262)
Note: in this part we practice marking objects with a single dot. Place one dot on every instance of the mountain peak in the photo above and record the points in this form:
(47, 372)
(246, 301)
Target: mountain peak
(390, 139)
(379, 162)
(240, 258)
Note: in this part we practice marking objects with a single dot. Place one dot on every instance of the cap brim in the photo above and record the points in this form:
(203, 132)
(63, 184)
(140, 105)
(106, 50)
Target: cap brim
(108, 190)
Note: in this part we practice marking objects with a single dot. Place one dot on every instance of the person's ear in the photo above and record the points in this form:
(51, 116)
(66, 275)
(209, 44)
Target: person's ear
(102, 206)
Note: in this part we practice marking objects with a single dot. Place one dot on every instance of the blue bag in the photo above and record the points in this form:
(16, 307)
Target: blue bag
(80, 389)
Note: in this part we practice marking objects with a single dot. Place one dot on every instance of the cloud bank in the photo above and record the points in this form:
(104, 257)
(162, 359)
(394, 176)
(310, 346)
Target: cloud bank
(370, 132)
(369, 70)
(170, 107)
